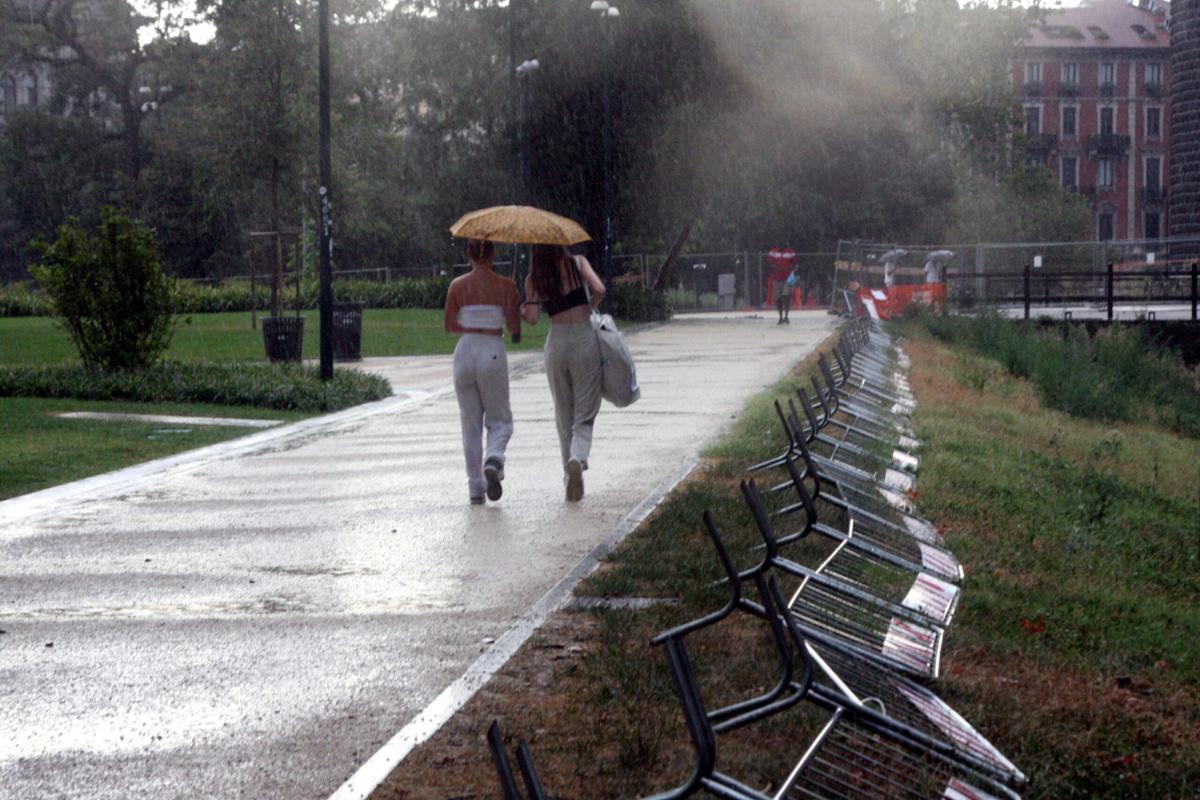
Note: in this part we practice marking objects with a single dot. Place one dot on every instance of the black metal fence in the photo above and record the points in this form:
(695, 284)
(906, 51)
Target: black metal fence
(1038, 292)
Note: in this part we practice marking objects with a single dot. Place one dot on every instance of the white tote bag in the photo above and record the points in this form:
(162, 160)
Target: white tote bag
(618, 375)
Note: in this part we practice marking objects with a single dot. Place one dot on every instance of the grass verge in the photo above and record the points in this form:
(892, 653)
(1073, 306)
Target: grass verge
(284, 387)
(1074, 650)
(228, 337)
(39, 449)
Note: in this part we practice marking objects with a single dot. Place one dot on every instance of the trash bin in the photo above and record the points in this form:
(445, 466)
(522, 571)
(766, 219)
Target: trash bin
(347, 331)
(284, 338)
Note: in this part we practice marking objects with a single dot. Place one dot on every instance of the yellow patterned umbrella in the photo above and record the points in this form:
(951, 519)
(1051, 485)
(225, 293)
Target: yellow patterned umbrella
(518, 225)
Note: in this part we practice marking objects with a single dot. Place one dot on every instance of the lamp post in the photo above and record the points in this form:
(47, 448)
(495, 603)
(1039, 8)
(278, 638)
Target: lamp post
(524, 71)
(608, 15)
(325, 295)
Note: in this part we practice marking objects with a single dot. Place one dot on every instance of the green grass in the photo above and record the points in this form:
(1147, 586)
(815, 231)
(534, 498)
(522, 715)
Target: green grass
(1075, 647)
(39, 449)
(228, 337)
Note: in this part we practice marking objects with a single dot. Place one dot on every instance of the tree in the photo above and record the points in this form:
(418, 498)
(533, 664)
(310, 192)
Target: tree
(97, 56)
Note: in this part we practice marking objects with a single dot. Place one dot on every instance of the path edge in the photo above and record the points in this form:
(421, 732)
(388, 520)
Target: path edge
(368, 777)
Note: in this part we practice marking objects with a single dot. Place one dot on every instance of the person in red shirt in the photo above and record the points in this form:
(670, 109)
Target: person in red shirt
(478, 306)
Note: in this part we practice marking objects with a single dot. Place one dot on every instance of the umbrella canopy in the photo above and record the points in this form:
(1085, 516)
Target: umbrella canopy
(518, 225)
(785, 257)
(892, 255)
(940, 255)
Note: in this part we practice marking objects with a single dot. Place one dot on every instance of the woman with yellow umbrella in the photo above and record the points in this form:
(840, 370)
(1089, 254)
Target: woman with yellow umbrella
(566, 288)
(478, 305)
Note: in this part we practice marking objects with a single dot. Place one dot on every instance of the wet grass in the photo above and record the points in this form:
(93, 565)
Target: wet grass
(229, 337)
(38, 449)
(1074, 649)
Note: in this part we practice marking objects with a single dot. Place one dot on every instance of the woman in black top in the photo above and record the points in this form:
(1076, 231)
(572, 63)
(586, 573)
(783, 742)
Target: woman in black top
(567, 289)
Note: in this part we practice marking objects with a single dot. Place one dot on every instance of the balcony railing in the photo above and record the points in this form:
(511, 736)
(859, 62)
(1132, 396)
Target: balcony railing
(1033, 88)
(1108, 144)
(1108, 89)
(1152, 195)
(1155, 89)
(1069, 89)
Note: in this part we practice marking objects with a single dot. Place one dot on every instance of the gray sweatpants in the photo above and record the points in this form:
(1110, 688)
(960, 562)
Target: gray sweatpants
(481, 383)
(572, 359)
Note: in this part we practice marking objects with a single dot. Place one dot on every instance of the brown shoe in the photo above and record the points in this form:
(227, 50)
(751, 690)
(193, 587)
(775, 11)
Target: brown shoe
(574, 481)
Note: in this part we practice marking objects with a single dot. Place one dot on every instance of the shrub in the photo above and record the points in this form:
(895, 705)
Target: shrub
(19, 300)
(638, 304)
(235, 296)
(1117, 374)
(286, 387)
(110, 291)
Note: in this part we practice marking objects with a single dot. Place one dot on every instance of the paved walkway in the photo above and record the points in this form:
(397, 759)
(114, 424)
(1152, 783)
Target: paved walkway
(255, 619)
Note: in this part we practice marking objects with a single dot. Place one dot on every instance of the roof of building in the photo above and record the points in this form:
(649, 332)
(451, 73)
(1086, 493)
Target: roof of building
(1107, 24)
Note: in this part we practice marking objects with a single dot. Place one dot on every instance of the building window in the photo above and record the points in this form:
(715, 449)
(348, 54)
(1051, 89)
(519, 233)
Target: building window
(1107, 115)
(1153, 174)
(1070, 73)
(1070, 167)
(1104, 172)
(1033, 72)
(1153, 122)
(1033, 120)
(1104, 226)
(1154, 73)
(1153, 225)
(1108, 73)
(1070, 116)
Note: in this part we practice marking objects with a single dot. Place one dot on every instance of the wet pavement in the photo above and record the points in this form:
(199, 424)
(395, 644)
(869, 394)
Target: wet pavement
(257, 618)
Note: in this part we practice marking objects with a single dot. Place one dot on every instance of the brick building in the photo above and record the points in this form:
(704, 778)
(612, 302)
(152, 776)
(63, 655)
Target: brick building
(1093, 82)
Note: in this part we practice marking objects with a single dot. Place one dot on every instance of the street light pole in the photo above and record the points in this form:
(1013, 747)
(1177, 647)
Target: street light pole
(325, 298)
(524, 72)
(608, 13)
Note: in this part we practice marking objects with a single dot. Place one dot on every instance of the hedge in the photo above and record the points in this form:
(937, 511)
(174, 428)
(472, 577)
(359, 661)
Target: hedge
(629, 301)
(284, 387)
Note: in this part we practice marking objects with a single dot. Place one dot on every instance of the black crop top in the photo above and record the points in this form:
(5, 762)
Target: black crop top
(565, 302)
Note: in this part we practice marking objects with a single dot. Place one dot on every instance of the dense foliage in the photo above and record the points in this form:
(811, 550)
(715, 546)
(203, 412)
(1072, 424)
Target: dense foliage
(286, 387)
(777, 122)
(1117, 374)
(109, 291)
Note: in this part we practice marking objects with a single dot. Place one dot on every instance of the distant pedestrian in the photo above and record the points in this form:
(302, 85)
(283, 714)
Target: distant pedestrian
(567, 289)
(783, 291)
(889, 274)
(478, 306)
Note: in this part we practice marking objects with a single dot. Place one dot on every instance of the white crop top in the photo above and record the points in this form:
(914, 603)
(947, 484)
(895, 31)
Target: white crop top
(486, 317)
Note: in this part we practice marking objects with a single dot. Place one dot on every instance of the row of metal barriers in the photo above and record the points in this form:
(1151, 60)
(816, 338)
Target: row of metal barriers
(858, 635)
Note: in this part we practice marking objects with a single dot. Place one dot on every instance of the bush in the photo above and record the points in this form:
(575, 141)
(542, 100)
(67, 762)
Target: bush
(636, 303)
(19, 300)
(1117, 374)
(286, 387)
(110, 291)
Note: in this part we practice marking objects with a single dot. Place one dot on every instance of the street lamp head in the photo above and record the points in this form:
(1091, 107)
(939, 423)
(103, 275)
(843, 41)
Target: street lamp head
(530, 65)
(599, 5)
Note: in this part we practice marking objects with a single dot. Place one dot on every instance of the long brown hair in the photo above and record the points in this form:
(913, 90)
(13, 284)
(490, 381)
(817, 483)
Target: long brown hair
(545, 269)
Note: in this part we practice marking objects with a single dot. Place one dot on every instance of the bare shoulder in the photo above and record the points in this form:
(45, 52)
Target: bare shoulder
(505, 281)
